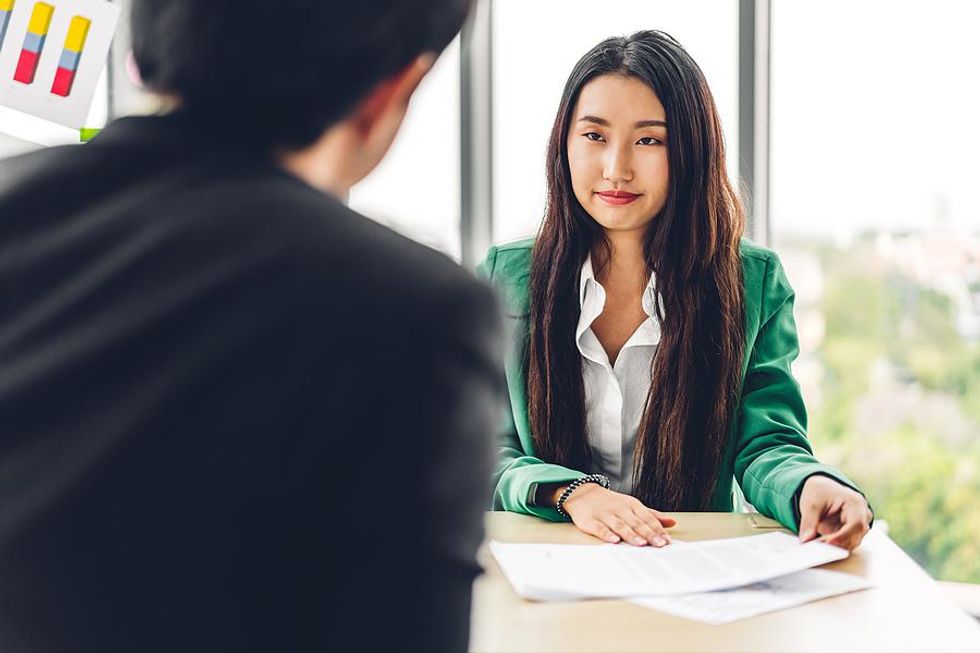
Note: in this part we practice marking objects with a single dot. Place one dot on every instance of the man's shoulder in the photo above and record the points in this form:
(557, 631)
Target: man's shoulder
(249, 216)
(373, 266)
(378, 253)
(37, 168)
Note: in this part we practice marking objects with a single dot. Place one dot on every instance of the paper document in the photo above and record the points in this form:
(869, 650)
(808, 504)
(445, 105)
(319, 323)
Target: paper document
(726, 606)
(573, 571)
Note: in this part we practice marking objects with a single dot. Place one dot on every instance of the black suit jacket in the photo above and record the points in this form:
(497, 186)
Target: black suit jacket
(234, 414)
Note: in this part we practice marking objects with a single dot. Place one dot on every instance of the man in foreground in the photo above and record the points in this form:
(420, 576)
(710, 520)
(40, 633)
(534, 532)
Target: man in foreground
(234, 414)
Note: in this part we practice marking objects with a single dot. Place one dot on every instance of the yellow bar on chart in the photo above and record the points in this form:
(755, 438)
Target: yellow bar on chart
(41, 19)
(77, 32)
(6, 5)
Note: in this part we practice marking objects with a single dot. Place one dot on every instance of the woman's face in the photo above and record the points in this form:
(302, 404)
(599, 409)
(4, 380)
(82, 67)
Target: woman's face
(617, 152)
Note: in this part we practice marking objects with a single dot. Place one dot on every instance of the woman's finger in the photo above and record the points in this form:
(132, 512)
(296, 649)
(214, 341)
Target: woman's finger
(848, 537)
(624, 530)
(809, 521)
(666, 520)
(830, 523)
(650, 527)
(602, 531)
(830, 517)
(852, 530)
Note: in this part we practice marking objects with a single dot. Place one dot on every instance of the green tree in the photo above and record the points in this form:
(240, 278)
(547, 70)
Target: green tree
(925, 485)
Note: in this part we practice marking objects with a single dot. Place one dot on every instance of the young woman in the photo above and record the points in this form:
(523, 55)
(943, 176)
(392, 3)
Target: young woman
(653, 343)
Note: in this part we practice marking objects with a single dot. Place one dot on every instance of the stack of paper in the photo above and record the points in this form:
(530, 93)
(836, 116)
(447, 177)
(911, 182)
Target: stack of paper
(697, 570)
(725, 606)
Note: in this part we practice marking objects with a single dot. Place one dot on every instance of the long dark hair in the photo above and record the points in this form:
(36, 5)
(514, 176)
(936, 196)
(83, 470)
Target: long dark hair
(692, 246)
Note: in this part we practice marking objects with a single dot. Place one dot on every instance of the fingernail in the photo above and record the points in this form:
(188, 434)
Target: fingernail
(659, 541)
(639, 541)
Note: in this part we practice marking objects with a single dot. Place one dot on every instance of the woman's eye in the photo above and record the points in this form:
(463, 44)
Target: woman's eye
(593, 136)
(650, 140)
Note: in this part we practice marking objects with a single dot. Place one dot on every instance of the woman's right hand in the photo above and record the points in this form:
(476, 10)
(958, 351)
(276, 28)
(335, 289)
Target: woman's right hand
(613, 517)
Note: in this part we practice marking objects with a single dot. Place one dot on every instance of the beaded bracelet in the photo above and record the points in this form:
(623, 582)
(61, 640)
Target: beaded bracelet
(598, 479)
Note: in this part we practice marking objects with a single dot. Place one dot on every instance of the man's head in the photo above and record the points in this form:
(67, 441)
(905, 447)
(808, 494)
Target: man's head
(279, 73)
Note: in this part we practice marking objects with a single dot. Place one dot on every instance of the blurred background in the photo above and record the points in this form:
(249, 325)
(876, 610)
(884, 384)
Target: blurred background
(851, 129)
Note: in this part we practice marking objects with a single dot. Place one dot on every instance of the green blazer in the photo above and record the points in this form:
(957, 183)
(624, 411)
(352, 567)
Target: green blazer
(768, 455)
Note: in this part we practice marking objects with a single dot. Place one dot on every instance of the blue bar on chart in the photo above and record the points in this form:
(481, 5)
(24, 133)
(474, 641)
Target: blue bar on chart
(64, 77)
(6, 8)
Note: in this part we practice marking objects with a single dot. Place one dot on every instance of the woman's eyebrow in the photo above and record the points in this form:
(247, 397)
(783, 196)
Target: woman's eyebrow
(605, 123)
(597, 120)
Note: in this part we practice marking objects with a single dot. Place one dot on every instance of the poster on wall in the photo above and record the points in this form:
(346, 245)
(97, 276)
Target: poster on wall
(52, 53)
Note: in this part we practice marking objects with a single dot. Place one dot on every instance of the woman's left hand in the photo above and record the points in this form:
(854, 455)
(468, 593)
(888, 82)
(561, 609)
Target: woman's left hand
(833, 512)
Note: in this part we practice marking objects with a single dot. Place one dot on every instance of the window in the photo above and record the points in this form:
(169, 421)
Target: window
(875, 214)
(415, 190)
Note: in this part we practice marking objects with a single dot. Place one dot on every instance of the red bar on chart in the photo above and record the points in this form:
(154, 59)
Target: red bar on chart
(37, 31)
(64, 77)
(63, 80)
(26, 66)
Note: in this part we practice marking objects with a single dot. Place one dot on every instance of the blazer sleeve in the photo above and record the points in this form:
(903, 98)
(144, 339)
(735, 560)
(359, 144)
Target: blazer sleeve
(773, 456)
(518, 472)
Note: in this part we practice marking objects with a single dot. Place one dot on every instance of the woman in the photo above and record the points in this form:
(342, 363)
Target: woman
(654, 345)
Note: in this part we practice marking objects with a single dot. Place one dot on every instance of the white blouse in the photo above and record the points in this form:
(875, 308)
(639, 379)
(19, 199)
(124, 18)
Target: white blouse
(615, 395)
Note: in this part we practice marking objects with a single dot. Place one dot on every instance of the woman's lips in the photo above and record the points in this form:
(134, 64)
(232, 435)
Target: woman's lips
(617, 197)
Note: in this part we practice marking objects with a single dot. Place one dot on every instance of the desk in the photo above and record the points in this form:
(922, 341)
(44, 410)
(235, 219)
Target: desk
(905, 611)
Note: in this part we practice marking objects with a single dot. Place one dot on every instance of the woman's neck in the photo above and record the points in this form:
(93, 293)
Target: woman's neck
(623, 266)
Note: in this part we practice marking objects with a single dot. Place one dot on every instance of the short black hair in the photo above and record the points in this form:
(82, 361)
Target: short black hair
(281, 71)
